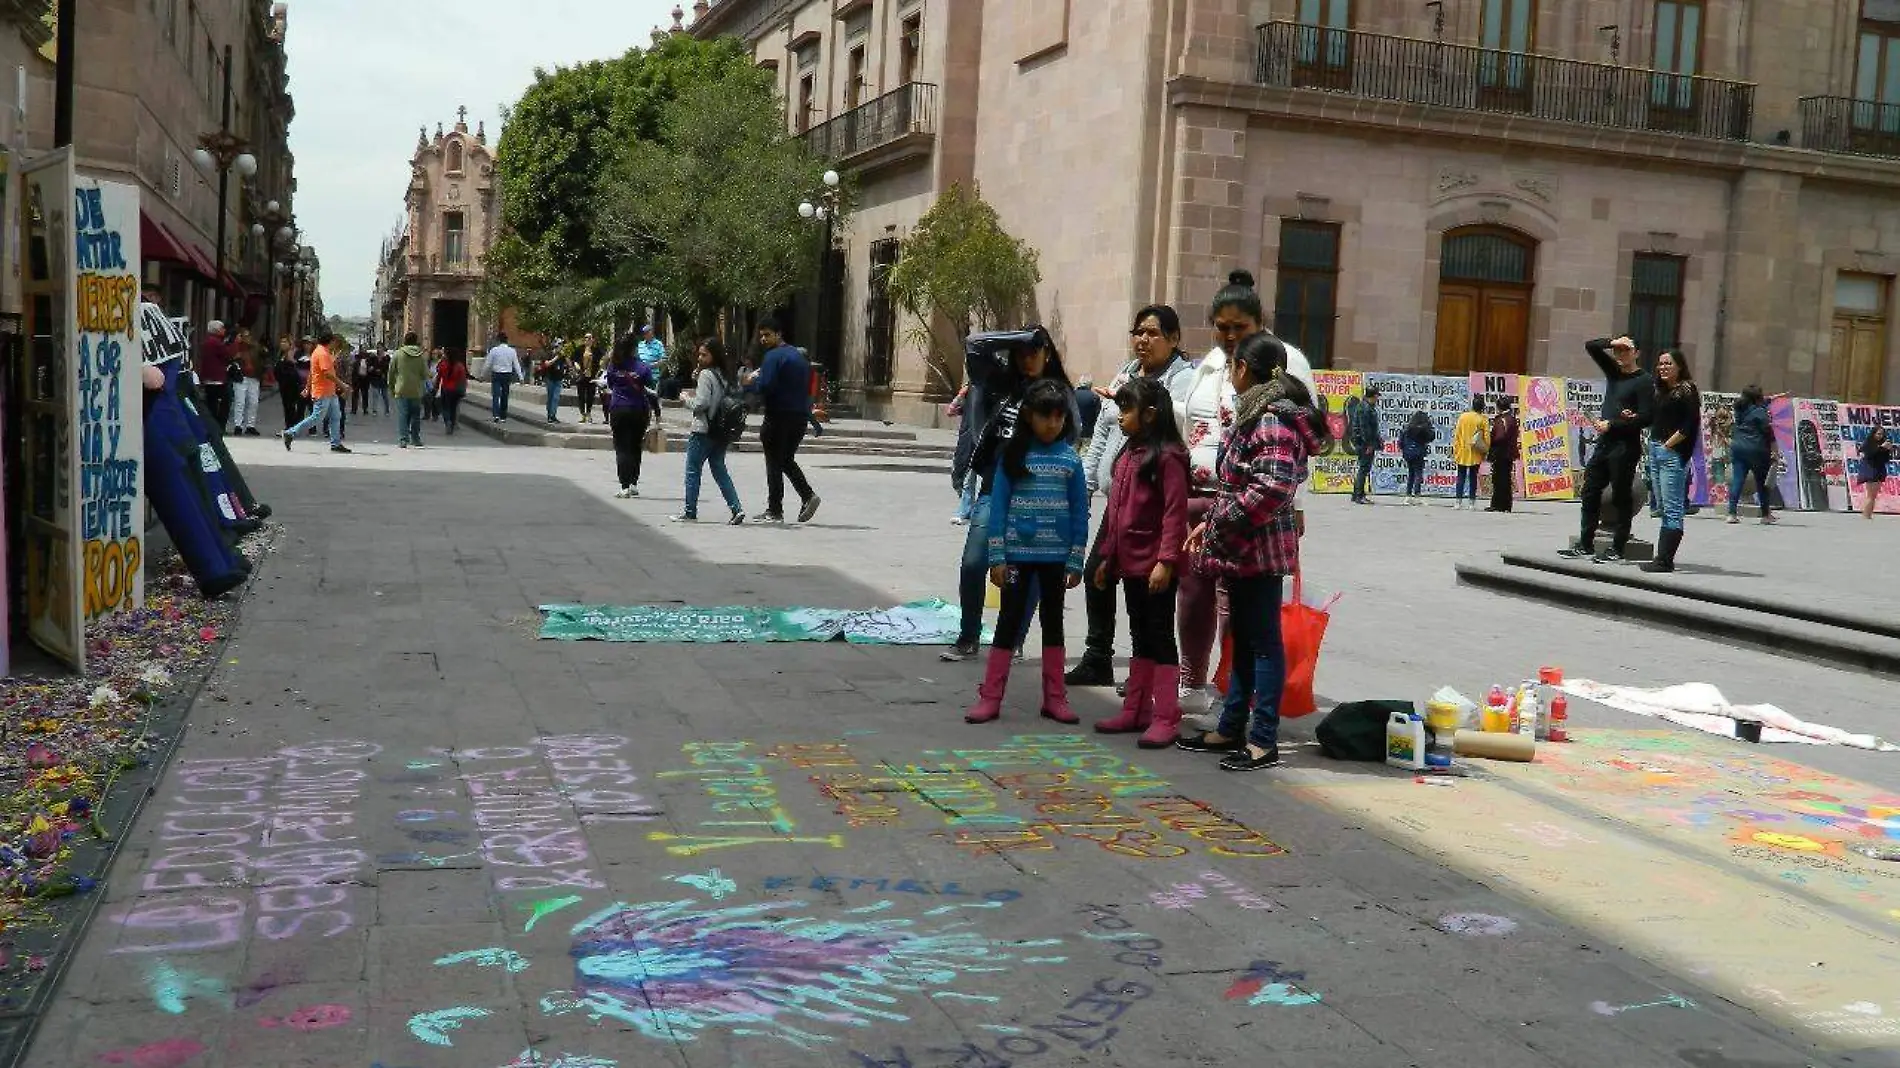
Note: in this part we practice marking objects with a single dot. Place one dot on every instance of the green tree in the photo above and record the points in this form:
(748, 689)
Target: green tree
(961, 272)
(708, 207)
(557, 146)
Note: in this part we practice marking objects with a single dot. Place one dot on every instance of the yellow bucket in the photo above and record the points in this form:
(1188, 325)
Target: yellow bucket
(1441, 717)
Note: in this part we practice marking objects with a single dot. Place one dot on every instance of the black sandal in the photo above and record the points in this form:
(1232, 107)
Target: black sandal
(1199, 744)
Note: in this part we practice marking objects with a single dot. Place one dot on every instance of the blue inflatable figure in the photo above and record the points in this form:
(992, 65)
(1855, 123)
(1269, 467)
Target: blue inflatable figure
(175, 485)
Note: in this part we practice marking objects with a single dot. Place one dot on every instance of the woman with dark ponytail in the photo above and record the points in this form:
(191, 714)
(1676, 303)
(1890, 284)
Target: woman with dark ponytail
(1250, 540)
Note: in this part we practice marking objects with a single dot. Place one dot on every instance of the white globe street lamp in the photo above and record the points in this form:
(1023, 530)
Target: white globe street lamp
(806, 211)
(202, 158)
(831, 179)
(246, 164)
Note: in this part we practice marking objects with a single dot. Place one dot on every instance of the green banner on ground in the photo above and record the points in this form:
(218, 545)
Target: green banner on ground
(932, 622)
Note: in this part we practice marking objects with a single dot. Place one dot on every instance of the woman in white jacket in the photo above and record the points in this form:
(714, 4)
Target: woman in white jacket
(1156, 337)
(1205, 416)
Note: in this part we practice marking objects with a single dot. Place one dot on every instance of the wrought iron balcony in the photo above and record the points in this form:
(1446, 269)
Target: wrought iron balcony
(908, 114)
(1854, 127)
(1413, 71)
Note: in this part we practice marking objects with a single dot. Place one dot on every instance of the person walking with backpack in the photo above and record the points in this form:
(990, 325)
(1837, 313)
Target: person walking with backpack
(290, 385)
(1362, 438)
(718, 421)
(1415, 445)
(1470, 440)
(1140, 547)
(629, 411)
(1751, 451)
(1037, 533)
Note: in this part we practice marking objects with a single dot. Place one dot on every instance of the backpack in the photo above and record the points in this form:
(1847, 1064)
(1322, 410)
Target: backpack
(726, 422)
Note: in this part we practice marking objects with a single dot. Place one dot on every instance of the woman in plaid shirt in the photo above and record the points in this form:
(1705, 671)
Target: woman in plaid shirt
(1251, 541)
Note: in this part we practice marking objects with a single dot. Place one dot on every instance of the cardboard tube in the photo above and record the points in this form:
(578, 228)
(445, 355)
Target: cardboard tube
(1493, 746)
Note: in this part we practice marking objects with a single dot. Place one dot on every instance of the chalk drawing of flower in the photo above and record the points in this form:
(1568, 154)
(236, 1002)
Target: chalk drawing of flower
(673, 970)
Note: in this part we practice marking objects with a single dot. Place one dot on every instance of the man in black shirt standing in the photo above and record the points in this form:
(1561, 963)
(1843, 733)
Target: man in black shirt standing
(1629, 405)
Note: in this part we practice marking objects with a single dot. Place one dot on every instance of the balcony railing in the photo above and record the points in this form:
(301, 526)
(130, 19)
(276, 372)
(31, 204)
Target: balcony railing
(1854, 127)
(1413, 71)
(911, 109)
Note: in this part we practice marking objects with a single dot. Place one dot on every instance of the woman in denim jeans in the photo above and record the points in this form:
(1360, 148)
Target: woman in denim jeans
(1251, 540)
(716, 375)
(1672, 439)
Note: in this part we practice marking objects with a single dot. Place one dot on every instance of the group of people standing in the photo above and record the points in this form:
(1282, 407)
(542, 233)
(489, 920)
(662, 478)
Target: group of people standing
(1202, 463)
(1488, 431)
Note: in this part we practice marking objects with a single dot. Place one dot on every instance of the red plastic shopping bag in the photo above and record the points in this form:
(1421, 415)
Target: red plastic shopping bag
(1302, 630)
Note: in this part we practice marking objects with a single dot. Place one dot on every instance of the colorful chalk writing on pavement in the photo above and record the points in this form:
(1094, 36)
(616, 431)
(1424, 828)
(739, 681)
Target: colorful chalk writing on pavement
(110, 398)
(286, 819)
(674, 970)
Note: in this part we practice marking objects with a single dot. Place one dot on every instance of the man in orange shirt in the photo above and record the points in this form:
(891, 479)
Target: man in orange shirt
(322, 388)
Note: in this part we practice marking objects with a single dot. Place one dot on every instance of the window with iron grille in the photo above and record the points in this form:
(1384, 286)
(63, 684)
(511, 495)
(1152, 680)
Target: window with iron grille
(1656, 303)
(1485, 256)
(1307, 295)
(880, 316)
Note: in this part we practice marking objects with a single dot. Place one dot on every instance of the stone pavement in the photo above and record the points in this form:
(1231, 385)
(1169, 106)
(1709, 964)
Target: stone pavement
(429, 839)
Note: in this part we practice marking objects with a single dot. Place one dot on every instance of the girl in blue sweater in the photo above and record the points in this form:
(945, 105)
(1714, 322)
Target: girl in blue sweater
(1038, 529)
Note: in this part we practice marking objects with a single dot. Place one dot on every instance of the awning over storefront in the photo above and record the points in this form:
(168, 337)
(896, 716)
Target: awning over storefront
(157, 243)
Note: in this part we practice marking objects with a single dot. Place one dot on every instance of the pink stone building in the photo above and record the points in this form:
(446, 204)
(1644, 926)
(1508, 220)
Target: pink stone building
(1443, 187)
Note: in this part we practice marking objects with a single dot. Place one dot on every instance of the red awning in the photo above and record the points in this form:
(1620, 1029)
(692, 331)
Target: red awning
(157, 244)
(198, 260)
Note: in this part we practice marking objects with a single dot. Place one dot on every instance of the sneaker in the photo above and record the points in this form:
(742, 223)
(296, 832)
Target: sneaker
(402, 444)
(624, 492)
(738, 519)
(771, 517)
(1198, 743)
(286, 435)
(339, 448)
(685, 517)
(958, 653)
(809, 508)
(1090, 671)
(633, 491)
(1245, 761)
(415, 444)
(1769, 520)
(1734, 519)
(958, 521)
(1608, 556)
(251, 432)
(1576, 553)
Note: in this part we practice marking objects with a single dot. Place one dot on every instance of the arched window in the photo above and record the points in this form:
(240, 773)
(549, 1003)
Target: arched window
(455, 156)
(1487, 254)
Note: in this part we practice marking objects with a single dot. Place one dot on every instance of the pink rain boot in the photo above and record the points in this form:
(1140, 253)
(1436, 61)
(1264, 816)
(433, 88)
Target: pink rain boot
(1163, 728)
(1055, 692)
(1134, 714)
(989, 694)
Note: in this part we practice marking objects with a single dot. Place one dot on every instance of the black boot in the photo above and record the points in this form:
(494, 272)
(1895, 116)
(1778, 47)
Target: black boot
(1667, 542)
(1091, 670)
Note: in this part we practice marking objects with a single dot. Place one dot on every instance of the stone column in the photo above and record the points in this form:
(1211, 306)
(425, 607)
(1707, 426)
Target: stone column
(1757, 335)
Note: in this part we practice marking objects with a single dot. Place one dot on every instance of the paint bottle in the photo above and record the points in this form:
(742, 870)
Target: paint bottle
(1497, 712)
(1559, 719)
(1524, 722)
(1405, 741)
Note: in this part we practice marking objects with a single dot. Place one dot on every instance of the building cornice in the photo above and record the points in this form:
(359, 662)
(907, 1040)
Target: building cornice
(748, 20)
(1305, 107)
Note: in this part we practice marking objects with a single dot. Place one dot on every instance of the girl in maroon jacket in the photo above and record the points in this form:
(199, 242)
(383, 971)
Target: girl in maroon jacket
(1142, 536)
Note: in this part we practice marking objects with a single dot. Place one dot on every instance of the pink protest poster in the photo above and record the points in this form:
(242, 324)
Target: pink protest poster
(1858, 421)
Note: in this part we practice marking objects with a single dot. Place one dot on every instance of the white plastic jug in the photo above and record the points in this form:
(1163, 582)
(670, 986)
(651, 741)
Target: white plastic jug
(1405, 741)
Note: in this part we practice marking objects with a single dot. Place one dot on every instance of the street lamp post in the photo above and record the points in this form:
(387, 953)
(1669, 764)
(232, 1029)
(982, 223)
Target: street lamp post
(272, 227)
(224, 150)
(824, 210)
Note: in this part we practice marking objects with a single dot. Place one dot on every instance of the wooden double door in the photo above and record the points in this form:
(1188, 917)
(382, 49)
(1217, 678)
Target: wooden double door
(1482, 327)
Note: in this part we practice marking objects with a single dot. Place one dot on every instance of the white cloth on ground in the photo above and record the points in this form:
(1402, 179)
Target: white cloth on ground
(1702, 706)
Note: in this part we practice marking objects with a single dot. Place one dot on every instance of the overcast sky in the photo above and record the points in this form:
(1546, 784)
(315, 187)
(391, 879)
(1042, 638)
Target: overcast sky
(366, 74)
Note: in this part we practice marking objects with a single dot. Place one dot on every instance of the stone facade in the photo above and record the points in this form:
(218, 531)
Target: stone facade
(432, 272)
(1148, 147)
(149, 84)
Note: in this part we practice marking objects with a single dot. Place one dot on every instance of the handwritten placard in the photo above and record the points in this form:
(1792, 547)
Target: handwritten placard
(107, 356)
